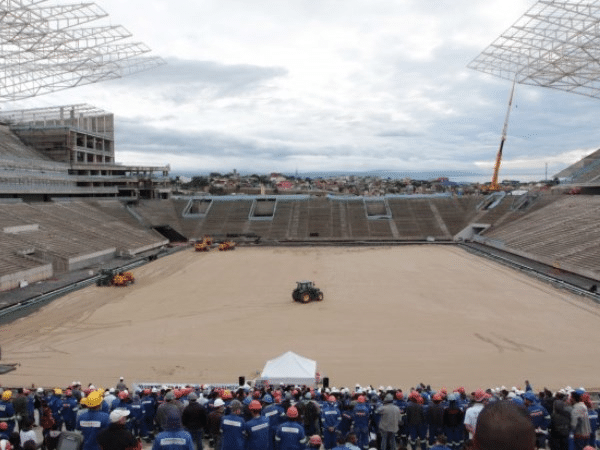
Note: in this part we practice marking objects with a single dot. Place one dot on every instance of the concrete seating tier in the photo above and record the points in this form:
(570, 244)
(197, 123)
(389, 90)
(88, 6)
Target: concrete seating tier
(563, 232)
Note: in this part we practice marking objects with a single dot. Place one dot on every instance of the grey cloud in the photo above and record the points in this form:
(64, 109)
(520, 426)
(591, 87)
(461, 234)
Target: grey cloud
(178, 78)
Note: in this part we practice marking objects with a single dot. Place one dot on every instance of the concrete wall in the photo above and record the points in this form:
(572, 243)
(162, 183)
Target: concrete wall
(13, 280)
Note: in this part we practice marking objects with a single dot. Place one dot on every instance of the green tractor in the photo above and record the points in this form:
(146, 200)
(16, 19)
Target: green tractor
(306, 292)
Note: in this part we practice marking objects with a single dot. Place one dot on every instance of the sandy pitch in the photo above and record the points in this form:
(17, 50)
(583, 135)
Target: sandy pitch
(391, 316)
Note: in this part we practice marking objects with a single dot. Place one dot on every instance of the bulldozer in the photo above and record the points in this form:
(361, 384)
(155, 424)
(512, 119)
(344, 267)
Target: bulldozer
(227, 245)
(306, 292)
(204, 246)
(110, 277)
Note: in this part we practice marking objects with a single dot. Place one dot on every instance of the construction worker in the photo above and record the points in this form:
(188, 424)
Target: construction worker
(257, 429)
(453, 422)
(415, 420)
(7, 412)
(232, 428)
(275, 413)
(69, 409)
(330, 421)
(55, 404)
(435, 417)
(148, 401)
(402, 404)
(360, 422)
(389, 422)
(92, 421)
(195, 419)
(314, 443)
(290, 435)
(539, 416)
(173, 437)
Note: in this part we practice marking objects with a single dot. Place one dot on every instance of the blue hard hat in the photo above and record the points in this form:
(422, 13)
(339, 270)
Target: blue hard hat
(267, 399)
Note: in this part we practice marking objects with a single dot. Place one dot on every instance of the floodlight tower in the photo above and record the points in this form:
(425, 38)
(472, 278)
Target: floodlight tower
(555, 44)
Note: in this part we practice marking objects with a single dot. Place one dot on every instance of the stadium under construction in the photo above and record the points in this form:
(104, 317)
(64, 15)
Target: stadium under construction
(66, 205)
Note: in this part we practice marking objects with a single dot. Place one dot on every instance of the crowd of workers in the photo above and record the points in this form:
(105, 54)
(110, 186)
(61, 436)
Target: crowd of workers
(297, 418)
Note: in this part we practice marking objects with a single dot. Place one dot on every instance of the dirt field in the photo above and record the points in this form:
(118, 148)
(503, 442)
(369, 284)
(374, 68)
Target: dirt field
(391, 316)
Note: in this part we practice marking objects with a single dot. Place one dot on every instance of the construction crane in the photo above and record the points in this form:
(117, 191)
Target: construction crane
(494, 186)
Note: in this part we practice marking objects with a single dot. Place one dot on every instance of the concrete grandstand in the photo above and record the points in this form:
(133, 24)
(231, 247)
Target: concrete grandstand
(66, 205)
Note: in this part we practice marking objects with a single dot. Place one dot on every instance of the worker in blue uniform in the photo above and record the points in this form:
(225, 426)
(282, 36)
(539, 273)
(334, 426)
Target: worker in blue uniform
(360, 422)
(331, 418)
(173, 437)
(257, 429)
(539, 416)
(290, 435)
(70, 407)
(92, 421)
(232, 428)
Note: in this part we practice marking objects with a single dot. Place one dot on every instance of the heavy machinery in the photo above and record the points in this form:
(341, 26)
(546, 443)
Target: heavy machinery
(306, 292)
(112, 277)
(227, 245)
(204, 246)
(494, 186)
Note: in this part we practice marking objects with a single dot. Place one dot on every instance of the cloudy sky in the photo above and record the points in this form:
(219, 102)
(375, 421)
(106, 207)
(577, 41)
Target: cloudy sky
(331, 85)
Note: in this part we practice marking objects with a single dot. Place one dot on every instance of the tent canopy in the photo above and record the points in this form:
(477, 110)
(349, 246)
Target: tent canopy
(290, 368)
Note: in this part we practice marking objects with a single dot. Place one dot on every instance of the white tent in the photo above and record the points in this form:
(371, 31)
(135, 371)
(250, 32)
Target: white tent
(289, 368)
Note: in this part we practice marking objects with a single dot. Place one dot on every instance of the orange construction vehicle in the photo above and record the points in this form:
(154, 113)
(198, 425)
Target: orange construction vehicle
(227, 245)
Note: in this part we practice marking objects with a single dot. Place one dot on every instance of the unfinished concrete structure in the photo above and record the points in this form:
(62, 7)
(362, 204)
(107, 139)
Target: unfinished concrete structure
(69, 151)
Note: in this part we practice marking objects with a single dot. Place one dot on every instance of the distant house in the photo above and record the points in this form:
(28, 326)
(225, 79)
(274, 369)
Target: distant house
(284, 185)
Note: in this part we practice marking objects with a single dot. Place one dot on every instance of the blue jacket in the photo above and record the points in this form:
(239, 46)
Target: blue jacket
(232, 432)
(90, 423)
(290, 436)
(258, 434)
(173, 440)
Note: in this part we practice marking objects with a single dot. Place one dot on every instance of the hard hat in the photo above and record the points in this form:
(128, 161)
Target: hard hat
(332, 398)
(147, 391)
(3, 426)
(218, 403)
(292, 412)
(399, 395)
(123, 394)
(6, 395)
(315, 440)
(267, 399)
(5, 445)
(437, 397)
(93, 400)
(254, 405)
(361, 399)
(57, 391)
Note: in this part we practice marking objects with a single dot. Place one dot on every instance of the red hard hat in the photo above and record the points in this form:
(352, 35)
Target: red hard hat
(332, 398)
(147, 391)
(437, 397)
(256, 394)
(123, 395)
(254, 405)
(315, 440)
(3, 426)
(361, 399)
(399, 395)
(292, 412)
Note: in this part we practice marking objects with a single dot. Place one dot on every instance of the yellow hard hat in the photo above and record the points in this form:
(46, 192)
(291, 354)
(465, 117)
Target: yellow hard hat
(93, 400)
(6, 395)
(58, 391)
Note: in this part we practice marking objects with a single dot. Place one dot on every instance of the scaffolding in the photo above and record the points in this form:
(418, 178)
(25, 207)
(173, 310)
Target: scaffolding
(50, 48)
(555, 44)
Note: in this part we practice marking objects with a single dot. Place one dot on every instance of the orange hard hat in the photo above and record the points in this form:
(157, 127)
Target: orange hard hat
(254, 405)
(292, 412)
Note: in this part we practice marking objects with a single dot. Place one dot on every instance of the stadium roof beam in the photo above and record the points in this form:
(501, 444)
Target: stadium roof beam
(555, 44)
(46, 49)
